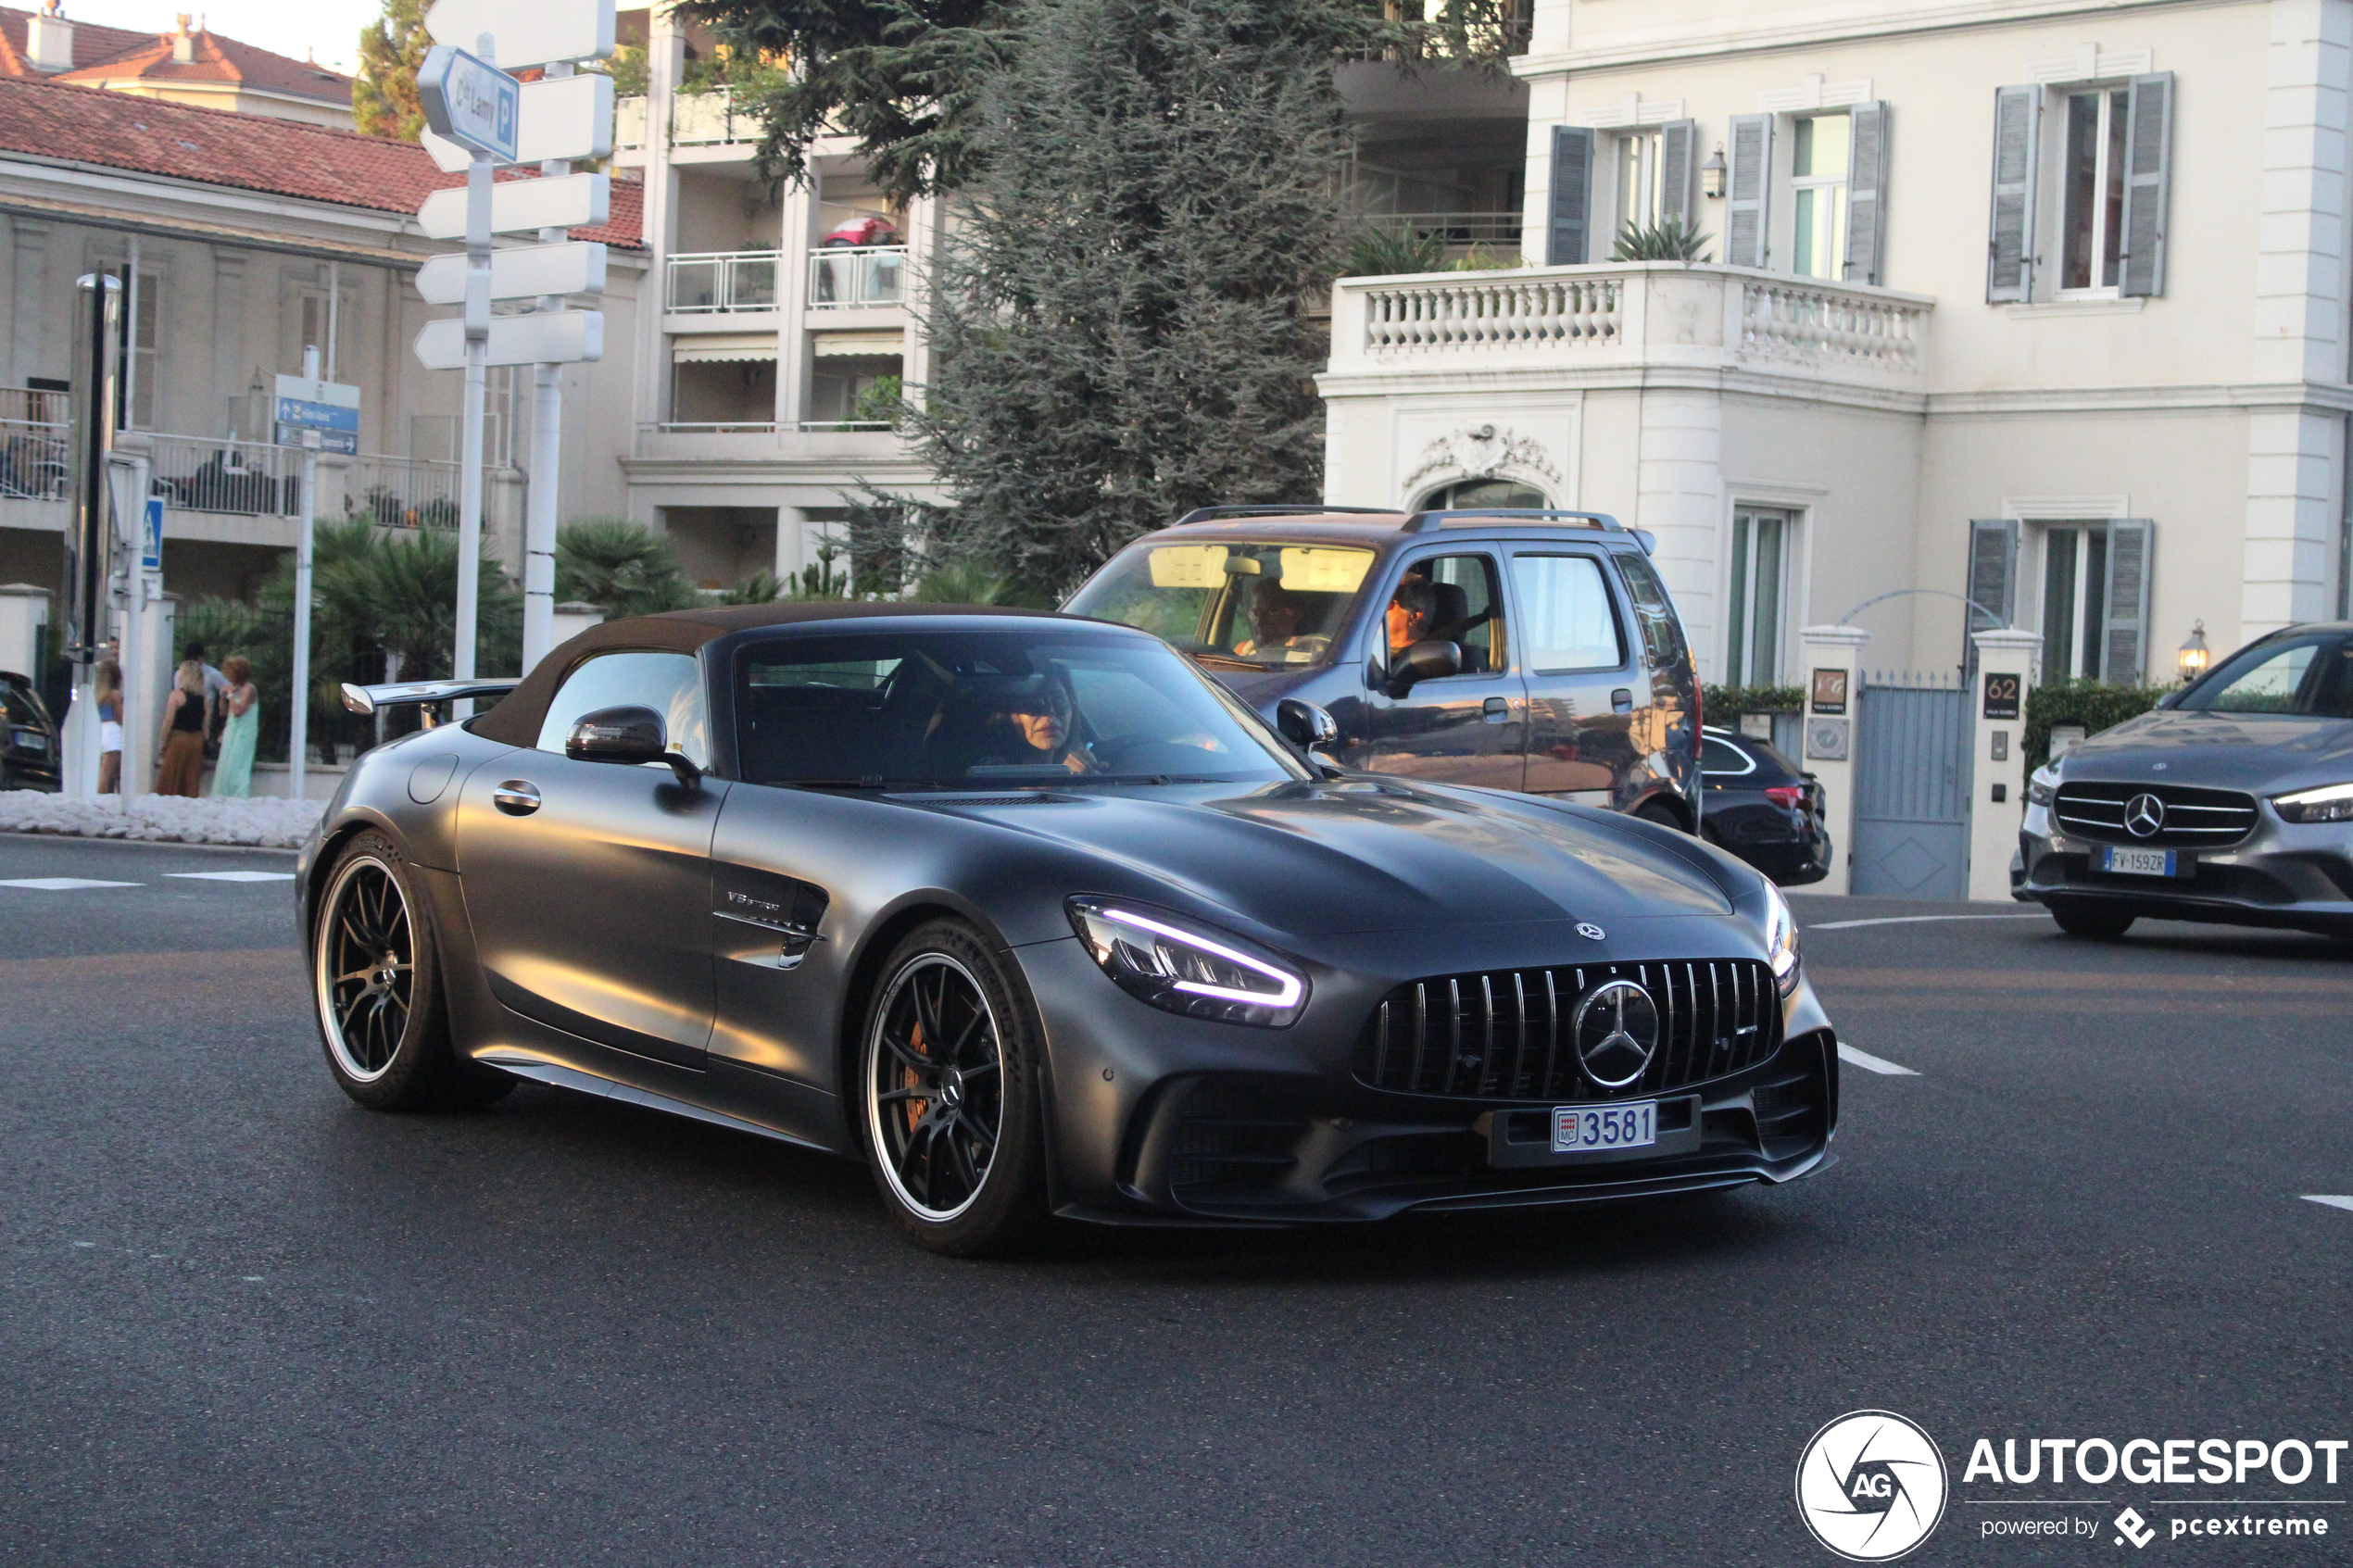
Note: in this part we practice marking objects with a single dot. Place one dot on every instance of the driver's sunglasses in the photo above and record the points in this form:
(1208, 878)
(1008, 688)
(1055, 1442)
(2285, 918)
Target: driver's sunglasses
(1051, 705)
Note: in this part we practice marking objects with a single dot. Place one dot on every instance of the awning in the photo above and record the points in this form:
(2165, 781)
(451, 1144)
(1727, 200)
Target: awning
(863, 345)
(707, 348)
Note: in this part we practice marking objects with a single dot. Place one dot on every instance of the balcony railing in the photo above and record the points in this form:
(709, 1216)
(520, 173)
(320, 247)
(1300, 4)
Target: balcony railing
(402, 492)
(718, 427)
(248, 478)
(842, 277)
(1494, 229)
(716, 281)
(707, 119)
(1601, 315)
(36, 457)
(629, 121)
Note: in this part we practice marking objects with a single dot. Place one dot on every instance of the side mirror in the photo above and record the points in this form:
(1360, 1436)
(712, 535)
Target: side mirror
(629, 737)
(1430, 659)
(1305, 724)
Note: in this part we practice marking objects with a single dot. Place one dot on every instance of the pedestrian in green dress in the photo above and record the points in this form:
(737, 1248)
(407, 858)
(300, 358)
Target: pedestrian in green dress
(232, 775)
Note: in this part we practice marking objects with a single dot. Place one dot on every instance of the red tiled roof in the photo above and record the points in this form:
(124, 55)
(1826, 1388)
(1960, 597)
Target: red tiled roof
(212, 59)
(55, 120)
(91, 42)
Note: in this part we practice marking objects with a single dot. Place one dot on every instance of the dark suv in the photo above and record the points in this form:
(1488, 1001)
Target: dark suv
(29, 750)
(1522, 650)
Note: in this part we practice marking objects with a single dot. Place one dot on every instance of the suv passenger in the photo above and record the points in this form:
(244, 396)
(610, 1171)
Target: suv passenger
(1520, 650)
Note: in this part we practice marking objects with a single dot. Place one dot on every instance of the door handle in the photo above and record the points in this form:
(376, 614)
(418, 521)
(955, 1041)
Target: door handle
(1494, 710)
(516, 798)
(1621, 701)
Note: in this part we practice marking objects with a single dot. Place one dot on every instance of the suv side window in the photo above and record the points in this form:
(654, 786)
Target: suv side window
(1662, 637)
(1454, 599)
(669, 684)
(1571, 624)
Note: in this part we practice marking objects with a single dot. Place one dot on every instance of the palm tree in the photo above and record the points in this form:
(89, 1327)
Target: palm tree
(623, 568)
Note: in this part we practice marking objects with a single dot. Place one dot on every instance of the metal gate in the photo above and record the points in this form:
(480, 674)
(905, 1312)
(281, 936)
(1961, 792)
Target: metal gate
(1912, 787)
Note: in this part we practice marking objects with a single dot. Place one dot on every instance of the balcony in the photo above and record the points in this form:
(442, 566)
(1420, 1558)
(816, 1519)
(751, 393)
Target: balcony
(1624, 316)
(36, 447)
(715, 283)
(240, 478)
(706, 119)
(847, 278)
(628, 123)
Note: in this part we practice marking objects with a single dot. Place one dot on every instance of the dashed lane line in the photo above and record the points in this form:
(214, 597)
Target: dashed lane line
(63, 883)
(231, 877)
(2334, 1199)
(1870, 1063)
(1911, 920)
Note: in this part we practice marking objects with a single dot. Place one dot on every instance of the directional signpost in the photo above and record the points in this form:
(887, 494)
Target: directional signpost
(477, 118)
(318, 416)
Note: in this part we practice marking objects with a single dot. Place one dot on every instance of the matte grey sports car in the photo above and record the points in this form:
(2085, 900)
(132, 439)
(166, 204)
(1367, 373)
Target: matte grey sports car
(2232, 802)
(1035, 919)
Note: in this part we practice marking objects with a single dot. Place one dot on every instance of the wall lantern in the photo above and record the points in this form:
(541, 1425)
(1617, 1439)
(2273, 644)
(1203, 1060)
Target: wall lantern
(1711, 174)
(2193, 656)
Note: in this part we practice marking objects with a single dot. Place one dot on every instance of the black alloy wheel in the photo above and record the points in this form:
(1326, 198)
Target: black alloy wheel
(377, 978)
(950, 1101)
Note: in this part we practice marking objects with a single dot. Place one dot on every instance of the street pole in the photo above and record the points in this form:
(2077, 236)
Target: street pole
(85, 635)
(298, 715)
(547, 455)
(461, 664)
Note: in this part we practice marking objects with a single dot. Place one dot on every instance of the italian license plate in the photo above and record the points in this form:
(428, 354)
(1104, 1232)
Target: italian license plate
(1580, 1129)
(2142, 863)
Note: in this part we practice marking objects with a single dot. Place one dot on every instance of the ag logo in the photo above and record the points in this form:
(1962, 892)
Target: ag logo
(1871, 1485)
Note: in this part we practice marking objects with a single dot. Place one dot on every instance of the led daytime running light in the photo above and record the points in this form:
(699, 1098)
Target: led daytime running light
(1291, 988)
(2319, 797)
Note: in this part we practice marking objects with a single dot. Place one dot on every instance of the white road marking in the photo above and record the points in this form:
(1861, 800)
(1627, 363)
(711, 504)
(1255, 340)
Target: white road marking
(232, 877)
(1911, 920)
(2335, 1200)
(63, 883)
(1870, 1063)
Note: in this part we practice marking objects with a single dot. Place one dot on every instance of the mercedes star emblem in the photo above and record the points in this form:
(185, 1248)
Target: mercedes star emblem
(2144, 815)
(1615, 1029)
(1590, 932)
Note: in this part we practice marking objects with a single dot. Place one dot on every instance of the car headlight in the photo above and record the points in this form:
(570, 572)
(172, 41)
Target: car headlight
(2043, 786)
(1187, 967)
(1781, 940)
(2330, 803)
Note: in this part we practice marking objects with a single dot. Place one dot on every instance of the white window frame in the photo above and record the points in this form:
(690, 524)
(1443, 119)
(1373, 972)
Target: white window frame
(2060, 183)
(2082, 639)
(1738, 664)
(1835, 261)
(1638, 153)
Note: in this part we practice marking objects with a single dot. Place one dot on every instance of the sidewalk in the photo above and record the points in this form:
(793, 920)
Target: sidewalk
(262, 822)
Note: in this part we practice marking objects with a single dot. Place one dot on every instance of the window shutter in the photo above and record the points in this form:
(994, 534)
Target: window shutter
(1572, 196)
(2124, 637)
(2149, 140)
(1992, 572)
(1745, 210)
(1866, 192)
(2009, 266)
(1676, 139)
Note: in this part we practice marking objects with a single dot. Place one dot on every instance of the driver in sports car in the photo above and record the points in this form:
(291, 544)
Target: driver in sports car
(1036, 729)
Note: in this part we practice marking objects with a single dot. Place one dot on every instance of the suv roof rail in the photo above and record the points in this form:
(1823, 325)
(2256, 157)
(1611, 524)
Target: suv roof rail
(1312, 508)
(1425, 523)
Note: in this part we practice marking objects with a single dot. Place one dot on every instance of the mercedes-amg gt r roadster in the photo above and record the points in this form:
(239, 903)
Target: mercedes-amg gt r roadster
(1035, 919)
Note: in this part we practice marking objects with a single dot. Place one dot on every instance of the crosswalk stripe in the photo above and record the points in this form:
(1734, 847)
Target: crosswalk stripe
(1870, 1063)
(63, 883)
(2335, 1200)
(231, 877)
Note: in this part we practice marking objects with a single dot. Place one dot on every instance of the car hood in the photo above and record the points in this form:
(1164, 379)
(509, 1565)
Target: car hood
(1334, 857)
(2258, 752)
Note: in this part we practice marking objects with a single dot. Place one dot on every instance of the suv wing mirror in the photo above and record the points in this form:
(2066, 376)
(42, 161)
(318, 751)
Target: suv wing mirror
(1305, 724)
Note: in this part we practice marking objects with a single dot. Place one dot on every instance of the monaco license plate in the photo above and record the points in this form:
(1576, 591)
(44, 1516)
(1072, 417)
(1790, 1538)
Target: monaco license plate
(1581, 1129)
(2143, 862)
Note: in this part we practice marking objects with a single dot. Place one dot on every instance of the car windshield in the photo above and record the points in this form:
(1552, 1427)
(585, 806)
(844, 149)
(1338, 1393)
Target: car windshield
(1049, 702)
(21, 706)
(2312, 676)
(1262, 606)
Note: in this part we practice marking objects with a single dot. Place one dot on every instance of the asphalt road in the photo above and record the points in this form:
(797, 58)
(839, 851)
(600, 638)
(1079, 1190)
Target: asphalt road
(246, 1321)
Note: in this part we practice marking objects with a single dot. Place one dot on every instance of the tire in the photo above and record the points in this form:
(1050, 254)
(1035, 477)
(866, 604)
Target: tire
(376, 972)
(954, 1136)
(1663, 815)
(2096, 922)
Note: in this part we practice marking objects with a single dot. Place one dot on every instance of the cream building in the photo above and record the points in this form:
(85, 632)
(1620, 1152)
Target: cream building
(2036, 303)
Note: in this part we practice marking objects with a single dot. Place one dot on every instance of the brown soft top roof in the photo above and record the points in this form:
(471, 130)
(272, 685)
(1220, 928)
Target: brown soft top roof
(516, 720)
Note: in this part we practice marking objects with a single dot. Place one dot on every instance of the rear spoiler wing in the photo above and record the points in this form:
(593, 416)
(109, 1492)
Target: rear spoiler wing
(364, 700)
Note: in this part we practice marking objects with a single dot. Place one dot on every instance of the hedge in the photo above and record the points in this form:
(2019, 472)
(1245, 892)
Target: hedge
(2092, 704)
(1726, 702)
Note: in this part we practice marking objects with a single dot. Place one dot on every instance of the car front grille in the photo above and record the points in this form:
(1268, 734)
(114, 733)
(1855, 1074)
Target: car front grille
(1506, 1034)
(2195, 818)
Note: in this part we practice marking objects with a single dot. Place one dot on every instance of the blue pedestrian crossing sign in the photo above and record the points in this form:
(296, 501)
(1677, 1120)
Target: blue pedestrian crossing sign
(151, 536)
(327, 407)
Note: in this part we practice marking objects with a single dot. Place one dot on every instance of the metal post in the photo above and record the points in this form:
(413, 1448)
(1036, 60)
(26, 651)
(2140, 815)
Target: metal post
(546, 457)
(298, 714)
(85, 635)
(461, 664)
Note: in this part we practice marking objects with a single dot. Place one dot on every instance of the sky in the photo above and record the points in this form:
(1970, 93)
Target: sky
(287, 27)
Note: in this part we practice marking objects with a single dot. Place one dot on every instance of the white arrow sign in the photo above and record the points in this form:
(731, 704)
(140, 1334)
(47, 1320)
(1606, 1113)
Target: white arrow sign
(470, 102)
(568, 201)
(566, 116)
(560, 337)
(523, 272)
(528, 33)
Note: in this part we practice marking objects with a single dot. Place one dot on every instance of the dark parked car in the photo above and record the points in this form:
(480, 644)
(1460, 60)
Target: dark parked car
(1763, 808)
(1519, 650)
(31, 753)
(1032, 916)
(2232, 802)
